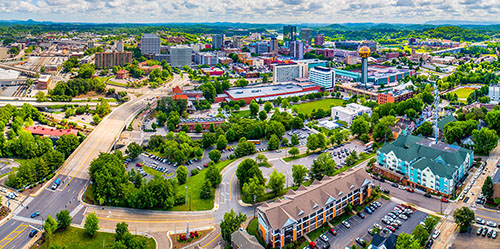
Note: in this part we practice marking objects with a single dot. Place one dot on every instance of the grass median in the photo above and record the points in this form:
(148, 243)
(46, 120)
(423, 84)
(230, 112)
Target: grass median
(194, 187)
(76, 238)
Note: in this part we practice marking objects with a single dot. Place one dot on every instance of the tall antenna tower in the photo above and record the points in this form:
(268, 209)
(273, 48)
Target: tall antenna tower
(436, 109)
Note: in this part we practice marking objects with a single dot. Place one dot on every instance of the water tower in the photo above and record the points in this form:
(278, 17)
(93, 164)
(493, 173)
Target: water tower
(364, 52)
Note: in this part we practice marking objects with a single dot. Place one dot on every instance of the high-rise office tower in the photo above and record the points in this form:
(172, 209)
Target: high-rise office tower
(297, 50)
(217, 41)
(237, 42)
(261, 47)
(319, 40)
(150, 44)
(274, 45)
(289, 33)
(306, 35)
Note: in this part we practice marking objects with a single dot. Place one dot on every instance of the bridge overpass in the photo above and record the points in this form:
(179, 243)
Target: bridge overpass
(22, 70)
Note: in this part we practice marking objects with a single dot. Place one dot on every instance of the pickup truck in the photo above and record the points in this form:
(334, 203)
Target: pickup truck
(56, 184)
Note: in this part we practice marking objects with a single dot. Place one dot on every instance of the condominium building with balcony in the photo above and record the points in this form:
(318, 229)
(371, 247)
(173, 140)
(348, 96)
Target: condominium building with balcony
(308, 208)
(425, 164)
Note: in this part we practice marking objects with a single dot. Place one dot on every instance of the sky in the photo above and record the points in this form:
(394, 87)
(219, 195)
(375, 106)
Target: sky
(250, 11)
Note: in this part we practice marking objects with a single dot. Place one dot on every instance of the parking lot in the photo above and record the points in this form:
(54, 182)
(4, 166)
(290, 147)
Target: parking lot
(359, 227)
(472, 240)
(286, 168)
(302, 134)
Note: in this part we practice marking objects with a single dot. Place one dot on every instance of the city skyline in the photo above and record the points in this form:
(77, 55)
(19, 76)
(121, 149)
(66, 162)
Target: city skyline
(259, 11)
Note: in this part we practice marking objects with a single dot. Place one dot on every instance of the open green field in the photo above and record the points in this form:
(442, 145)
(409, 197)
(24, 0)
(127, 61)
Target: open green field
(75, 238)
(242, 114)
(325, 104)
(463, 93)
(194, 186)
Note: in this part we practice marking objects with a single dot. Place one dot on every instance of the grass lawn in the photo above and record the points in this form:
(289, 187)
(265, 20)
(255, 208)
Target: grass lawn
(325, 104)
(152, 171)
(463, 93)
(75, 238)
(291, 158)
(194, 186)
(242, 114)
(252, 229)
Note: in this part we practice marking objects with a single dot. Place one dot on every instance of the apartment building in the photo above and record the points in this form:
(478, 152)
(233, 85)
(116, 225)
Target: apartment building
(322, 76)
(111, 59)
(494, 92)
(289, 72)
(180, 55)
(300, 212)
(423, 163)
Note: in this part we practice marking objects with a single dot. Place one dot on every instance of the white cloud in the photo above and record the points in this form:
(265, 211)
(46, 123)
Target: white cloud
(253, 11)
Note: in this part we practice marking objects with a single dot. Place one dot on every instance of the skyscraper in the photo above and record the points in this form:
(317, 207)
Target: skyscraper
(306, 35)
(274, 45)
(119, 46)
(150, 44)
(180, 55)
(319, 40)
(261, 47)
(237, 42)
(289, 33)
(217, 41)
(297, 50)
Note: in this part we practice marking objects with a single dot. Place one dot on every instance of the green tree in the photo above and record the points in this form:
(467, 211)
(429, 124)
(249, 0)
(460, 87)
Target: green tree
(261, 159)
(294, 151)
(91, 224)
(248, 169)
(133, 150)
(96, 119)
(407, 241)
(323, 165)
(381, 131)
(63, 219)
(493, 120)
(262, 115)
(464, 218)
(420, 234)
(487, 188)
(231, 223)
(316, 141)
(360, 126)
(213, 176)
(295, 140)
(221, 142)
(215, 155)
(244, 148)
(198, 128)
(299, 173)
(254, 108)
(181, 174)
(425, 129)
(121, 231)
(276, 182)
(66, 144)
(268, 106)
(274, 143)
(284, 104)
(453, 134)
(253, 188)
(86, 71)
(207, 191)
(50, 225)
(485, 140)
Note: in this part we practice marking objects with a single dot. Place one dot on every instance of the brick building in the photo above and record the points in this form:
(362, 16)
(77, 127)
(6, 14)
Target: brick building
(111, 59)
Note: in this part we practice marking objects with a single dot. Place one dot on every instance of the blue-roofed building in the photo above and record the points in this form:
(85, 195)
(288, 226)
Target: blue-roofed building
(424, 164)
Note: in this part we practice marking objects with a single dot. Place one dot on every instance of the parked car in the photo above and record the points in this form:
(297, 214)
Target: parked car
(324, 238)
(333, 232)
(394, 185)
(410, 190)
(33, 233)
(445, 200)
(391, 228)
(360, 241)
(429, 244)
(346, 224)
(368, 210)
(494, 235)
(436, 234)
(361, 215)
(480, 221)
(485, 231)
(491, 224)
(427, 195)
(479, 231)
(377, 226)
(490, 232)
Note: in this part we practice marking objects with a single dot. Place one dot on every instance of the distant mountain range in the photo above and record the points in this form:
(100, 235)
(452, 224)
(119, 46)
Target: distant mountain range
(352, 25)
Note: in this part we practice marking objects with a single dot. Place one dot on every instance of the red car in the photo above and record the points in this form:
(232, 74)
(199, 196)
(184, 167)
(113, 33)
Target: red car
(138, 164)
(391, 228)
(205, 165)
(444, 200)
(313, 245)
(333, 232)
(410, 190)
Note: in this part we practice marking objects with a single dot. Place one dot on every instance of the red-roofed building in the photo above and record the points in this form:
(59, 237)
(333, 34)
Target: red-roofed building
(180, 96)
(51, 132)
(122, 74)
(176, 90)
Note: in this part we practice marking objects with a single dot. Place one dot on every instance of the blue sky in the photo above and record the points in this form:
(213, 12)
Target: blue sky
(252, 11)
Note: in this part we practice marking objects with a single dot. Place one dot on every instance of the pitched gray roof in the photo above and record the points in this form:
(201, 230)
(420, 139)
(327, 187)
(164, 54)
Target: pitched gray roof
(243, 239)
(444, 121)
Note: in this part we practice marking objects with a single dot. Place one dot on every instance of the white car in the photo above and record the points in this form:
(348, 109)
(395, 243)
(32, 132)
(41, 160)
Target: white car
(346, 224)
(436, 234)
